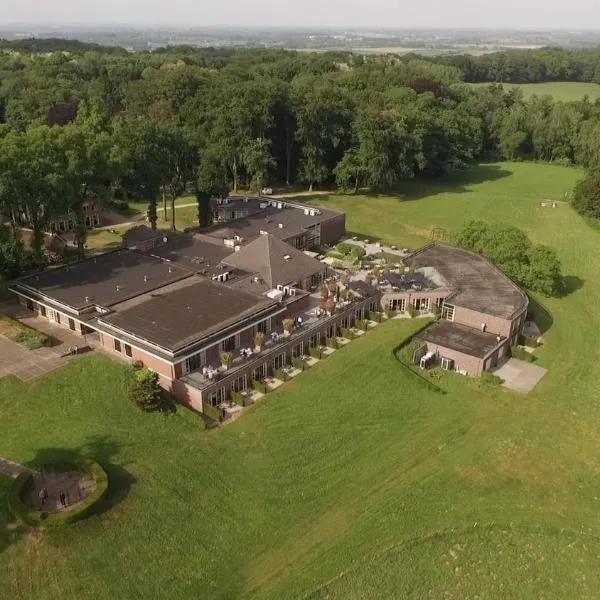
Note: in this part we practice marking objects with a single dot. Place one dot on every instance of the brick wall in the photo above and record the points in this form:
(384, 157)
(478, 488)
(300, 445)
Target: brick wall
(474, 319)
(462, 362)
(333, 229)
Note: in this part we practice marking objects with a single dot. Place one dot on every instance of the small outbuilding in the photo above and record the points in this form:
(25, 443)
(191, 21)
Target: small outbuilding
(144, 238)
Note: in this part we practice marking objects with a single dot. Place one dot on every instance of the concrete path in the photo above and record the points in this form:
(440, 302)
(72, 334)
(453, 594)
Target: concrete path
(11, 469)
(519, 375)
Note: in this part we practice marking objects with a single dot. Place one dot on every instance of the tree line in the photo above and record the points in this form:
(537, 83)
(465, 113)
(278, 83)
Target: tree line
(83, 125)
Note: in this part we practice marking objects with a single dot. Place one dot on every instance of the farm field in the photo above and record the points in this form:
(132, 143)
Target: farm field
(566, 91)
(354, 480)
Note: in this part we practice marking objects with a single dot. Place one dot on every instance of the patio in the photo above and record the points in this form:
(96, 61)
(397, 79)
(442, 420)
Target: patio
(519, 375)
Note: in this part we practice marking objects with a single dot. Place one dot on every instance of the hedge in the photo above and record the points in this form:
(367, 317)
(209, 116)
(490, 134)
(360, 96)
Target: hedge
(412, 311)
(260, 386)
(279, 374)
(238, 398)
(375, 316)
(522, 354)
(332, 343)
(315, 351)
(42, 519)
(527, 340)
(347, 333)
(491, 379)
(362, 325)
(298, 363)
(212, 412)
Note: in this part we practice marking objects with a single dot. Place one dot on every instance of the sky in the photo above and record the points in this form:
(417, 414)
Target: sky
(535, 14)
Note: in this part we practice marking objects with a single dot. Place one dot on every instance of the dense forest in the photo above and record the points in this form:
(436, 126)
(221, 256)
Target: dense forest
(83, 122)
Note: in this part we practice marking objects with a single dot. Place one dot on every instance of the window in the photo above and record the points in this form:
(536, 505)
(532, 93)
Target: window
(262, 326)
(57, 317)
(421, 303)
(194, 362)
(448, 312)
(447, 363)
(259, 373)
(239, 384)
(398, 304)
(298, 350)
(42, 310)
(229, 344)
(128, 350)
(279, 361)
(116, 345)
(71, 325)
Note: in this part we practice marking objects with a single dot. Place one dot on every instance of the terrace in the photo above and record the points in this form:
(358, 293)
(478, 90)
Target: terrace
(311, 318)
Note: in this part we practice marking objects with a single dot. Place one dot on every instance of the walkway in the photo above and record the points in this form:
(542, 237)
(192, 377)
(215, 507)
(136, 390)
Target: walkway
(11, 469)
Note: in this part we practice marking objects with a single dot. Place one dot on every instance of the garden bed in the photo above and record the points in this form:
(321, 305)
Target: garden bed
(22, 334)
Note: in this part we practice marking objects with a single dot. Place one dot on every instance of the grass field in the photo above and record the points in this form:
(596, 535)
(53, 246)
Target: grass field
(566, 91)
(354, 480)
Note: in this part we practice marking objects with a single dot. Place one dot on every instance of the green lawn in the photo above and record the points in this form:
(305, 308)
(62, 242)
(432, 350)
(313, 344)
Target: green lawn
(565, 91)
(354, 480)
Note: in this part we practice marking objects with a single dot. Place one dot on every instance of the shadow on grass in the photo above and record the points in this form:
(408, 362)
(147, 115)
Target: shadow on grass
(570, 284)
(541, 315)
(10, 530)
(102, 450)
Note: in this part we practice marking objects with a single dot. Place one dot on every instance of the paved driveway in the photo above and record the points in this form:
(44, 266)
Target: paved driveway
(519, 375)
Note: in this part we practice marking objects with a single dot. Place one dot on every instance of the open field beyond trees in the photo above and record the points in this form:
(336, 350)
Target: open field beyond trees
(565, 91)
(354, 480)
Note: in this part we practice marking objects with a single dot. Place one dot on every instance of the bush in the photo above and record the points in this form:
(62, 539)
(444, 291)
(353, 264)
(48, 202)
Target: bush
(406, 353)
(389, 313)
(315, 351)
(85, 508)
(375, 316)
(531, 342)
(279, 374)
(351, 250)
(31, 339)
(137, 364)
(145, 390)
(347, 333)
(412, 311)
(212, 412)
(332, 343)
(490, 379)
(239, 398)
(298, 363)
(226, 359)
(260, 386)
(362, 325)
(522, 354)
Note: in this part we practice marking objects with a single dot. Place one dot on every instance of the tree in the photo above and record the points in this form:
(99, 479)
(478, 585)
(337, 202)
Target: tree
(211, 182)
(12, 254)
(145, 390)
(544, 272)
(586, 199)
(138, 161)
(87, 172)
(349, 170)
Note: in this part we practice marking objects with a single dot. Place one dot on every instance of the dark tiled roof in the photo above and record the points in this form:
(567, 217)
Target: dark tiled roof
(460, 338)
(477, 283)
(275, 261)
(105, 280)
(179, 318)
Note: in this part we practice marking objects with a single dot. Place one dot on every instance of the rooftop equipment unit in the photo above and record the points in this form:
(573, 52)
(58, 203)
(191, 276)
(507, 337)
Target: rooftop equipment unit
(280, 225)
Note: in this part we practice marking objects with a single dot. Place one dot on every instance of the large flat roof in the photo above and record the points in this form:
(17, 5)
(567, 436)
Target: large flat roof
(105, 280)
(477, 283)
(460, 338)
(176, 319)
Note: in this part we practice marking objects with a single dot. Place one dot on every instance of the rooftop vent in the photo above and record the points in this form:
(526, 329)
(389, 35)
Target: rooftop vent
(306, 211)
(170, 269)
(87, 298)
(145, 278)
(280, 205)
(280, 225)
(118, 288)
(287, 257)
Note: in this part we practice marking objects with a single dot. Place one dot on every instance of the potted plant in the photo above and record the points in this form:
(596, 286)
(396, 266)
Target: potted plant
(259, 341)
(288, 325)
(330, 306)
(226, 360)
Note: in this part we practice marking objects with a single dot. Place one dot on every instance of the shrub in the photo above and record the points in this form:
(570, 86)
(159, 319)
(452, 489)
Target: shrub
(279, 374)
(145, 390)
(260, 386)
(407, 353)
(362, 325)
(212, 412)
(259, 339)
(237, 397)
(31, 339)
(522, 354)
(389, 313)
(226, 359)
(531, 342)
(137, 364)
(351, 250)
(298, 363)
(347, 333)
(490, 379)
(332, 343)
(85, 508)
(315, 351)
(375, 316)
(412, 311)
